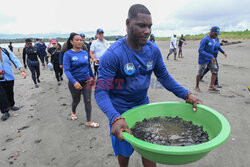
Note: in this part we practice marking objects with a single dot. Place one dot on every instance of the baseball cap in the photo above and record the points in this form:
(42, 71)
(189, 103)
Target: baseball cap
(99, 31)
(82, 35)
(53, 41)
(116, 37)
(152, 36)
(215, 29)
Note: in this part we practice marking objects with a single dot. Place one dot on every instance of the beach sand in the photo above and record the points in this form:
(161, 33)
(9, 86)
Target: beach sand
(41, 133)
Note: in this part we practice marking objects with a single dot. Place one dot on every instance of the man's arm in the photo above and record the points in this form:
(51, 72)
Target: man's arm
(107, 71)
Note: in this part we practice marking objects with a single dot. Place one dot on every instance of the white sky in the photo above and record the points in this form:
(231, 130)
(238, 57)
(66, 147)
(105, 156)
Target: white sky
(175, 16)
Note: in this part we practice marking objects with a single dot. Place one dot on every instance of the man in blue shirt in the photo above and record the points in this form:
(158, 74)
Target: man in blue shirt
(207, 59)
(7, 81)
(124, 77)
(42, 50)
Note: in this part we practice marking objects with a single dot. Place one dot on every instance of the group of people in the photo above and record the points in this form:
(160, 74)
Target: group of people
(131, 60)
(173, 46)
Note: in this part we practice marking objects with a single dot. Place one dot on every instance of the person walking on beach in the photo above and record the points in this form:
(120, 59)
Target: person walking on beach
(124, 78)
(217, 48)
(10, 47)
(98, 48)
(79, 73)
(207, 58)
(7, 78)
(181, 41)
(42, 50)
(172, 48)
(32, 61)
(54, 52)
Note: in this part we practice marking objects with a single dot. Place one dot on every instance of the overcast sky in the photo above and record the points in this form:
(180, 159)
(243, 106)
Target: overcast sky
(175, 16)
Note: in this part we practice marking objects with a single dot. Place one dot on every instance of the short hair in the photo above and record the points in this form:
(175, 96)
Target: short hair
(28, 40)
(137, 8)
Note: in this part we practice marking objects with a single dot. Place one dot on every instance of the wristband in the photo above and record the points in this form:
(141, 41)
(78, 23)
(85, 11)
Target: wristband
(118, 118)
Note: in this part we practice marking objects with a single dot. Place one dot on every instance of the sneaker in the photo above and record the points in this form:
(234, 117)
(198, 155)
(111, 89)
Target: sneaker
(36, 86)
(14, 108)
(5, 116)
(38, 80)
(59, 83)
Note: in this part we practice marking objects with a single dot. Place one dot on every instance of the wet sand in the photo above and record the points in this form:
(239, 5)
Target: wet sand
(41, 133)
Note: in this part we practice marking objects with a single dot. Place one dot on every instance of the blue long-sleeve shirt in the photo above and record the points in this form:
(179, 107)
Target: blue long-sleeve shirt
(124, 78)
(61, 58)
(7, 67)
(206, 50)
(217, 47)
(42, 48)
(76, 66)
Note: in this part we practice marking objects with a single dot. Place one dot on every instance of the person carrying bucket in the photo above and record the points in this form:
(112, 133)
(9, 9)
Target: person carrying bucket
(124, 78)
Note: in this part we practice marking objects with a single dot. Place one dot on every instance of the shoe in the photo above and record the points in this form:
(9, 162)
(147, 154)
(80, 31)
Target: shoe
(218, 86)
(5, 116)
(38, 80)
(36, 86)
(61, 78)
(14, 108)
(201, 80)
(213, 89)
(59, 83)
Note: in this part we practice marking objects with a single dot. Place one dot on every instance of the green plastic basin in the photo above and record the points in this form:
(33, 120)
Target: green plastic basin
(213, 123)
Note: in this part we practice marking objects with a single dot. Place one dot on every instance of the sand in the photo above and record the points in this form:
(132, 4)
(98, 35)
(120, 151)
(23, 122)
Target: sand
(41, 133)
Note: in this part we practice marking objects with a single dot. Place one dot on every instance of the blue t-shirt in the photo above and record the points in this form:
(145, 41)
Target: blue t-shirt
(124, 77)
(76, 65)
(41, 48)
(206, 50)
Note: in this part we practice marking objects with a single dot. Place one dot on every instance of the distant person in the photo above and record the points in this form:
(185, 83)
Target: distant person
(207, 59)
(36, 41)
(49, 44)
(19, 52)
(54, 53)
(78, 71)
(7, 78)
(32, 61)
(132, 60)
(98, 48)
(172, 48)
(42, 50)
(152, 38)
(84, 42)
(181, 41)
(217, 48)
(90, 42)
(10, 47)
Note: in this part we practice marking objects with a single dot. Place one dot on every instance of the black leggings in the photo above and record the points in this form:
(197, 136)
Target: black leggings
(34, 69)
(76, 97)
(44, 57)
(4, 104)
(58, 71)
(96, 70)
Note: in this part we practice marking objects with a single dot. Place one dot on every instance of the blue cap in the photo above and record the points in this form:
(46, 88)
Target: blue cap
(82, 35)
(215, 29)
(152, 36)
(116, 37)
(92, 38)
(99, 31)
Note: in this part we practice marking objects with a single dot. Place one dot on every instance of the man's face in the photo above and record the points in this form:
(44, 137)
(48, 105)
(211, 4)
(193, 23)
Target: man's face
(101, 36)
(29, 44)
(139, 28)
(213, 35)
(83, 39)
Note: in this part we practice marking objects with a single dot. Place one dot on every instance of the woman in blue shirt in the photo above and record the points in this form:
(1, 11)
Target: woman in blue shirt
(78, 70)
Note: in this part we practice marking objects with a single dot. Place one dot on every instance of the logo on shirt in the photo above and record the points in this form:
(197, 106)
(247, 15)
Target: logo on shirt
(210, 44)
(149, 65)
(129, 68)
(86, 57)
(74, 58)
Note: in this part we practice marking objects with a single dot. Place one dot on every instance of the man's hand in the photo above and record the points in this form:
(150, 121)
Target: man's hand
(225, 54)
(61, 66)
(96, 61)
(23, 74)
(25, 66)
(78, 86)
(193, 100)
(118, 127)
(213, 60)
(43, 64)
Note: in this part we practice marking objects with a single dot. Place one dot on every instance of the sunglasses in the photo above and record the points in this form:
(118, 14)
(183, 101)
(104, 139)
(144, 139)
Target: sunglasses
(29, 43)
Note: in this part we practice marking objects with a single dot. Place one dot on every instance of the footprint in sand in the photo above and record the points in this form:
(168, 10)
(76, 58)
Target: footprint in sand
(91, 142)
